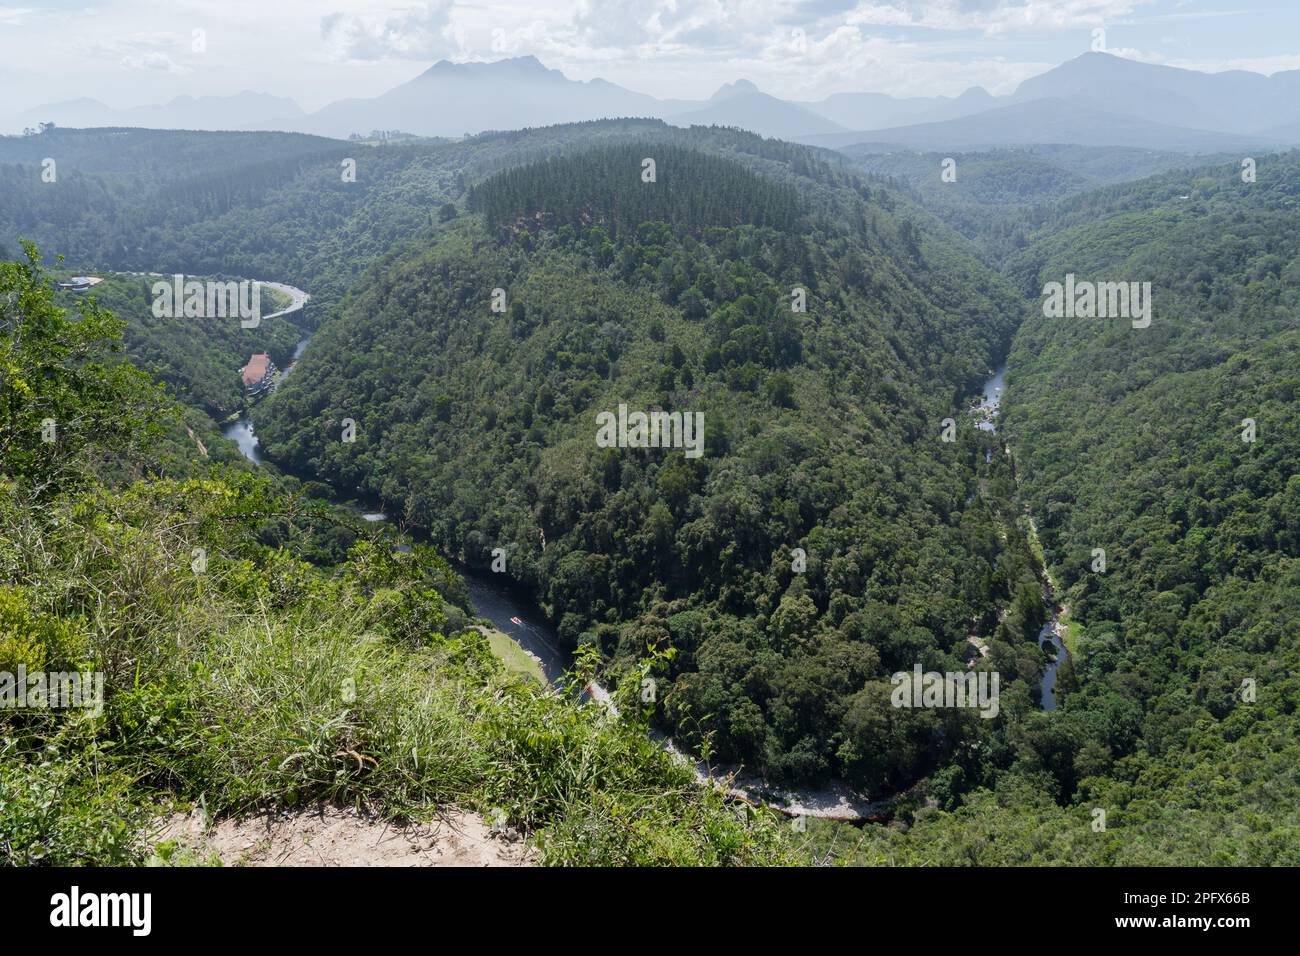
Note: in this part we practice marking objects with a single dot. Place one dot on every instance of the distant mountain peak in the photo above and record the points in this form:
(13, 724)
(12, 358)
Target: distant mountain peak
(528, 62)
(513, 64)
(243, 96)
(738, 88)
(83, 101)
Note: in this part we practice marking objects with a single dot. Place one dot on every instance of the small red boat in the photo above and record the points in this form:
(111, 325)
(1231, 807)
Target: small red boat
(515, 620)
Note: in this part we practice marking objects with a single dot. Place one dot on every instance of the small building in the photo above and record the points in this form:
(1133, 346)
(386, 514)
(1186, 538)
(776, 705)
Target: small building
(80, 283)
(259, 374)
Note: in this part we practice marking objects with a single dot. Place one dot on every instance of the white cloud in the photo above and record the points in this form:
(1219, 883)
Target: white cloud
(152, 61)
(992, 17)
(669, 28)
(138, 51)
(848, 59)
(422, 32)
(686, 48)
(13, 16)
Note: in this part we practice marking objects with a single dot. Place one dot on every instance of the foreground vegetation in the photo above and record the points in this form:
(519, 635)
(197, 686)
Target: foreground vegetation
(262, 680)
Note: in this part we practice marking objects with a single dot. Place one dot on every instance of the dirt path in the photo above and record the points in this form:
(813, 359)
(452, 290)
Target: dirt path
(328, 836)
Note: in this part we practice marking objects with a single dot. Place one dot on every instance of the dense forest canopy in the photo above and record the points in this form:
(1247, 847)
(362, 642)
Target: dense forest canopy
(1174, 449)
(687, 189)
(1160, 466)
(1002, 197)
(827, 315)
(822, 434)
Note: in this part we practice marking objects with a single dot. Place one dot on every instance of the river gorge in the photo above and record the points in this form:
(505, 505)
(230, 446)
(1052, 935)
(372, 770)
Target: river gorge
(512, 611)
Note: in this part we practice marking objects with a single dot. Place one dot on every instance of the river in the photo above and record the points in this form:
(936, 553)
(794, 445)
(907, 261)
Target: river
(503, 604)
(241, 433)
(986, 413)
(1050, 634)
(241, 430)
(987, 410)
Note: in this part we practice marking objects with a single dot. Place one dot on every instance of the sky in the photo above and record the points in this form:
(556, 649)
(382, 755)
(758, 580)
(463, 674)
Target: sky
(136, 52)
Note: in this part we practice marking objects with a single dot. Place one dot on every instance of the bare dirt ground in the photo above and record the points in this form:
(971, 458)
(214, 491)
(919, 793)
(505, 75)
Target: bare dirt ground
(328, 836)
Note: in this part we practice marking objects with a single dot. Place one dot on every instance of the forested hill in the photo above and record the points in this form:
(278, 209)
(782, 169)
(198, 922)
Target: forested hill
(278, 205)
(142, 157)
(1005, 198)
(1211, 187)
(591, 188)
(822, 433)
(261, 204)
(1161, 465)
(256, 204)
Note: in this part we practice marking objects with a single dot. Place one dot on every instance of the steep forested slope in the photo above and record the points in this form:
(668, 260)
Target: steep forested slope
(1182, 727)
(1004, 198)
(822, 433)
(1137, 441)
(235, 672)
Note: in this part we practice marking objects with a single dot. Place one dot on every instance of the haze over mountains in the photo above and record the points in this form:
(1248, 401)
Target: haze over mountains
(241, 111)
(1050, 120)
(1094, 99)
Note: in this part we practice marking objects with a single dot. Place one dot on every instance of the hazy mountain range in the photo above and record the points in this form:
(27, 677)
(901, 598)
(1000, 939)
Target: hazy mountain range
(239, 112)
(1095, 99)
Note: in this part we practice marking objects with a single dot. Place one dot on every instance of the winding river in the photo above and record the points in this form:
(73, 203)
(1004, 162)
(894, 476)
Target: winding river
(503, 603)
(241, 433)
(1049, 636)
(511, 610)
